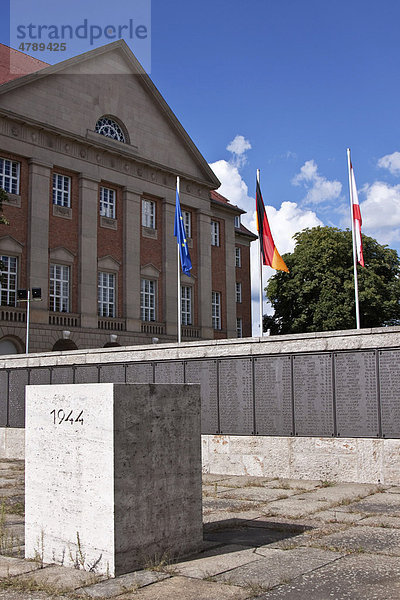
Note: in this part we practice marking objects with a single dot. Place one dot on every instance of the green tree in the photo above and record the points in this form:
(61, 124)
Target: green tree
(318, 292)
(3, 198)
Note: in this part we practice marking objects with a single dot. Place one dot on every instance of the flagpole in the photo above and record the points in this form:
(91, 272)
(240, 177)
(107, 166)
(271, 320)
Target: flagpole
(354, 242)
(179, 280)
(261, 265)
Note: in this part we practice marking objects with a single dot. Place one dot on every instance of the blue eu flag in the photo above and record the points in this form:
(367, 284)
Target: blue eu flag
(180, 234)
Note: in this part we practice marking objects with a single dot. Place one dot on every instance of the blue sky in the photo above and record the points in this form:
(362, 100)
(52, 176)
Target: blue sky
(293, 83)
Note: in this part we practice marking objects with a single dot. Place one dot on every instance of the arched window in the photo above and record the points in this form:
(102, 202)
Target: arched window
(108, 127)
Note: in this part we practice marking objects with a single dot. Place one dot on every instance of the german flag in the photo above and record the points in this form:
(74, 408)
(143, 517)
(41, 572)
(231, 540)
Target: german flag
(270, 254)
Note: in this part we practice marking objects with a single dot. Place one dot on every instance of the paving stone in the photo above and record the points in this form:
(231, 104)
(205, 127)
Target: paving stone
(295, 484)
(184, 588)
(224, 517)
(355, 577)
(381, 503)
(210, 504)
(276, 566)
(15, 566)
(216, 561)
(248, 536)
(365, 539)
(246, 480)
(320, 499)
(214, 490)
(393, 490)
(260, 494)
(338, 516)
(11, 594)
(62, 579)
(123, 584)
(210, 478)
(382, 521)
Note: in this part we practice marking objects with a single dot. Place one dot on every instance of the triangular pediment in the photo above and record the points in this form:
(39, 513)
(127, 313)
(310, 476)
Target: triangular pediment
(150, 271)
(9, 245)
(62, 255)
(108, 263)
(75, 93)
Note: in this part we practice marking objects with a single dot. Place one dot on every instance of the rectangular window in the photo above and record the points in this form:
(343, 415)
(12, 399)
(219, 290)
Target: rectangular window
(186, 305)
(8, 280)
(238, 292)
(237, 221)
(107, 202)
(59, 288)
(214, 233)
(62, 190)
(216, 310)
(238, 257)
(106, 294)
(187, 221)
(148, 300)
(9, 176)
(239, 328)
(149, 214)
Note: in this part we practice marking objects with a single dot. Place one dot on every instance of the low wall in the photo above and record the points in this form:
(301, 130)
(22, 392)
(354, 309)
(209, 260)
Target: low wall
(356, 460)
(298, 406)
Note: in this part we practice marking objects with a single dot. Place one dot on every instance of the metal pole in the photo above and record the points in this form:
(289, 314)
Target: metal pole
(28, 304)
(354, 242)
(261, 266)
(179, 280)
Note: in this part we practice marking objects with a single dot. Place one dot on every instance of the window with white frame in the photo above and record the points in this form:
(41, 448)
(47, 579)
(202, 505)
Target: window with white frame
(107, 202)
(9, 175)
(187, 221)
(216, 310)
(149, 214)
(106, 294)
(59, 288)
(61, 190)
(238, 292)
(8, 280)
(239, 327)
(148, 300)
(237, 221)
(186, 305)
(109, 128)
(214, 233)
(238, 257)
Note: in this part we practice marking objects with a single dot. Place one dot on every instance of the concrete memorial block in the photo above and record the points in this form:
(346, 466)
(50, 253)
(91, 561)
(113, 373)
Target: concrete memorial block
(113, 474)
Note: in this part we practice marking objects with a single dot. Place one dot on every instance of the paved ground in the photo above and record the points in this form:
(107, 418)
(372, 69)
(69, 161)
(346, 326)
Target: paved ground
(263, 539)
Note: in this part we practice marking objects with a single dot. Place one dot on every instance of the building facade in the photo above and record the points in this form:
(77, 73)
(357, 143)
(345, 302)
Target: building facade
(89, 155)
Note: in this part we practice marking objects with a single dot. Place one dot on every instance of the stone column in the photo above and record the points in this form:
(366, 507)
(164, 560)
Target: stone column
(170, 268)
(204, 271)
(88, 210)
(38, 238)
(230, 278)
(131, 266)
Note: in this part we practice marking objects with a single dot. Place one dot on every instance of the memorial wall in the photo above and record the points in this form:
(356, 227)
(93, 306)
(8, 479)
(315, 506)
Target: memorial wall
(264, 392)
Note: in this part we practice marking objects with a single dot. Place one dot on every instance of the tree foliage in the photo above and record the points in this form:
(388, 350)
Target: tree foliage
(318, 292)
(3, 198)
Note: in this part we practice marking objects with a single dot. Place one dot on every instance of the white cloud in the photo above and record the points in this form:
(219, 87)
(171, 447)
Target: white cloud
(319, 188)
(380, 211)
(238, 147)
(232, 185)
(390, 162)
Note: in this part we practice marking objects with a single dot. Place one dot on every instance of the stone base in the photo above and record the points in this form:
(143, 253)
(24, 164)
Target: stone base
(113, 474)
(358, 460)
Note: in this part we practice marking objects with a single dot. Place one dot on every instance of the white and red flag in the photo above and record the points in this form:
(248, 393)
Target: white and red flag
(356, 215)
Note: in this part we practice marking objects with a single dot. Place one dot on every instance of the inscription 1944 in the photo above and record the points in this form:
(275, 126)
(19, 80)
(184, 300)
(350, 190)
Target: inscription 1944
(61, 416)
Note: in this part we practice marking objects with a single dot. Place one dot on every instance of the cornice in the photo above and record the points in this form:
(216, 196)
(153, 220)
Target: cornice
(103, 153)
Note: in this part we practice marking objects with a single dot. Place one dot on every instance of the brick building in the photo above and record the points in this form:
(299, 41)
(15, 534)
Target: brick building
(89, 155)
